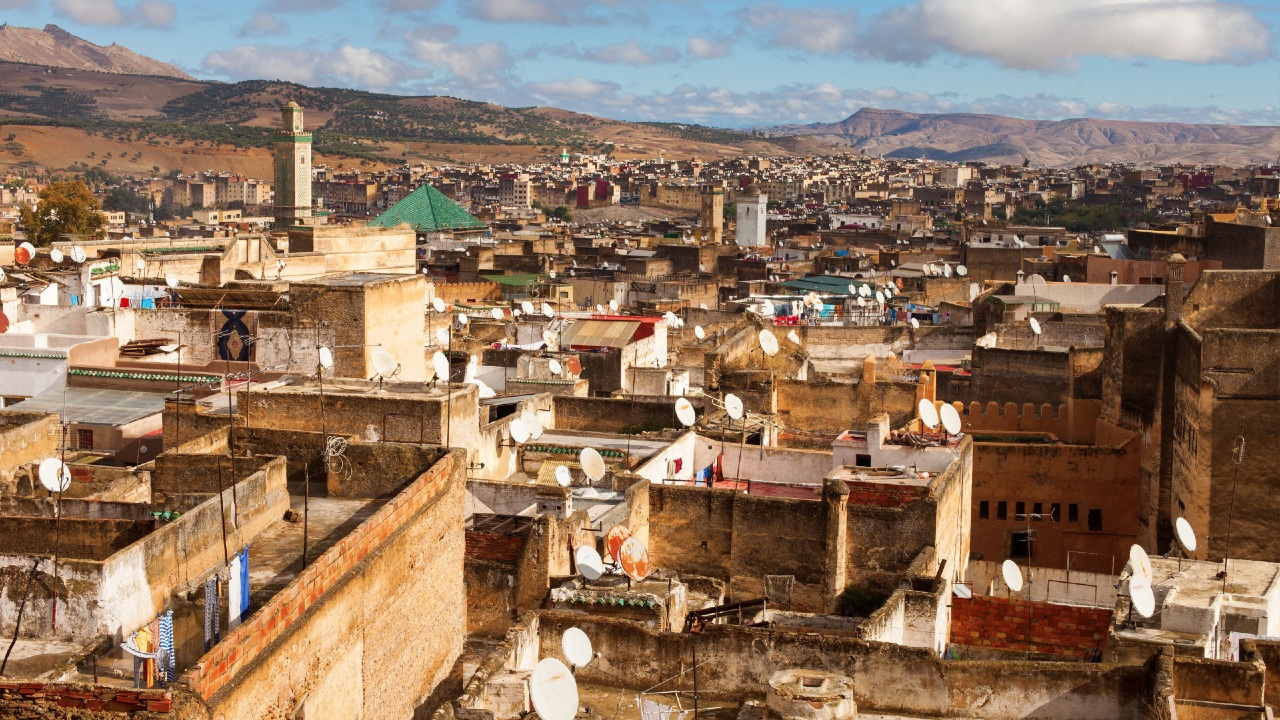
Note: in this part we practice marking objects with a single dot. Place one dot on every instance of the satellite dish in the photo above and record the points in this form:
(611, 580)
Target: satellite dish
(326, 358)
(141, 265)
(438, 305)
(533, 421)
(599, 309)
(1035, 326)
(702, 306)
(928, 414)
(699, 333)
(469, 374)
(515, 312)
(962, 270)
(915, 324)
(442, 336)
(549, 338)
(880, 296)
(548, 310)
(793, 337)
(685, 412)
(2, 275)
(1066, 278)
(56, 255)
(564, 477)
(463, 319)
(1186, 536)
(1140, 563)
(946, 270)
(486, 392)
(864, 291)
(440, 364)
(519, 431)
(613, 540)
(554, 367)
(1144, 600)
(589, 563)
(24, 253)
(527, 307)
(78, 254)
(552, 688)
(950, 419)
(1012, 575)
(613, 306)
(171, 280)
(634, 558)
(768, 343)
(384, 363)
(733, 406)
(576, 646)
(888, 291)
(552, 274)
(573, 365)
(862, 302)
(168, 348)
(54, 474)
(853, 289)
(592, 463)
(496, 313)
(961, 591)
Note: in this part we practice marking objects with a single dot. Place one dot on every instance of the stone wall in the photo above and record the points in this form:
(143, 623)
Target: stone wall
(25, 438)
(609, 416)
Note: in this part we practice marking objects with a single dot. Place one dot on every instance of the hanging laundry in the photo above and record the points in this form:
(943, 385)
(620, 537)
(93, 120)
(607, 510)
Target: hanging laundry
(678, 463)
(233, 593)
(210, 610)
(244, 581)
(167, 662)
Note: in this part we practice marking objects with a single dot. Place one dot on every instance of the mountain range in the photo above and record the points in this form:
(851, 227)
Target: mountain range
(54, 47)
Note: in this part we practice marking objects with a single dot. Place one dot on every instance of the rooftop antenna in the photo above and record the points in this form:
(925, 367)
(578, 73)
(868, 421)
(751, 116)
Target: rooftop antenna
(55, 476)
(324, 361)
(437, 306)
(1237, 456)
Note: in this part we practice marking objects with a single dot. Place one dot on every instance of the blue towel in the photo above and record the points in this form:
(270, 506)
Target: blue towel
(244, 581)
(168, 670)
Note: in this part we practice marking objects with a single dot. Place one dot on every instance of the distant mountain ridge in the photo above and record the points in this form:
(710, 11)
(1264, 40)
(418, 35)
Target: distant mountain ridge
(54, 47)
(963, 137)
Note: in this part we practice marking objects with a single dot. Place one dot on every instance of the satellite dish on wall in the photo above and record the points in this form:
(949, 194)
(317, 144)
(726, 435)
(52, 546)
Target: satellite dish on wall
(1186, 536)
(56, 255)
(915, 324)
(573, 365)
(553, 690)
(78, 255)
(438, 305)
(1012, 575)
(613, 306)
(950, 419)
(862, 302)
(442, 336)
(634, 558)
(463, 319)
(554, 366)
(1144, 600)
(141, 265)
(928, 414)
(3, 275)
(733, 406)
(1140, 563)
(613, 540)
(589, 562)
(440, 364)
(496, 313)
(519, 431)
(1035, 325)
(576, 646)
(1066, 278)
(326, 358)
(599, 309)
(54, 475)
(962, 270)
(548, 310)
(527, 307)
(384, 363)
(699, 333)
(793, 336)
(563, 476)
(592, 463)
(888, 291)
(768, 343)
(864, 291)
(685, 412)
(24, 253)
(171, 280)
(880, 296)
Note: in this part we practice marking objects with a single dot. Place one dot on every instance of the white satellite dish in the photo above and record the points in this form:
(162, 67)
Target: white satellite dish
(326, 358)
(962, 591)
(592, 463)
(54, 474)
(519, 431)
(168, 348)
(768, 343)
(527, 307)
(950, 419)
(853, 289)
(589, 563)
(1186, 536)
(469, 373)
(549, 338)
(915, 324)
(613, 306)
(554, 366)
(442, 336)
(702, 306)
(685, 412)
(384, 363)
(793, 336)
(928, 413)
(563, 476)
(141, 265)
(1012, 575)
(699, 333)
(946, 270)
(1035, 326)
(862, 302)
(438, 305)
(171, 280)
(496, 313)
(56, 255)
(576, 646)
(533, 421)
(463, 319)
(1144, 600)
(552, 274)
(440, 364)
(880, 296)
(486, 392)
(888, 291)
(2, 275)
(733, 406)
(515, 312)
(548, 310)
(1066, 278)
(552, 688)
(864, 291)
(78, 254)
(1140, 563)
(599, 309)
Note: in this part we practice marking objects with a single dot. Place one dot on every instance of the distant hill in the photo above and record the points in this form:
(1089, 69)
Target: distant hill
(962, 137)
(55, 47)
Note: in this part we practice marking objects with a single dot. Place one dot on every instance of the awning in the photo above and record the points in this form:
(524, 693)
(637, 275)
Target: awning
(599, 333)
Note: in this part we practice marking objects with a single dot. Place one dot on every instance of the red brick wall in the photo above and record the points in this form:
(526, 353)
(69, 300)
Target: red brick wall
(866, 493)
(494, 546)
(16, 697)
(1001, 623)
(242, 645)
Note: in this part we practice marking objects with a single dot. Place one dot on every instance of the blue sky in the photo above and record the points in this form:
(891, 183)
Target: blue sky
(728, 62)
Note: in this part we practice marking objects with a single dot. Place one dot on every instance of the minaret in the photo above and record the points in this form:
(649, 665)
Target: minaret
(293, 169)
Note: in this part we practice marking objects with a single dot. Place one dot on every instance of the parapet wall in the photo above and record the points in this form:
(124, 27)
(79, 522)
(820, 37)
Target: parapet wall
(1018, 625)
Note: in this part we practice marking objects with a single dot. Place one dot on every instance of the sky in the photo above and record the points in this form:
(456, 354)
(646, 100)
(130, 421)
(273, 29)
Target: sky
(729, 63)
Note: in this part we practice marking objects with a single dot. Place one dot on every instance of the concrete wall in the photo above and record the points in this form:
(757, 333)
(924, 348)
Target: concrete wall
(25, 438)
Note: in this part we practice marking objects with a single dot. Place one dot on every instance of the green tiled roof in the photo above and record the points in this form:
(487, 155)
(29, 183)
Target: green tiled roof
(427, 210)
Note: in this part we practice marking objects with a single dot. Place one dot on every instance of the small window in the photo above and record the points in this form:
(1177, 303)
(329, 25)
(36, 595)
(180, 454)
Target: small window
(1055, 512)
(984, 510)
(84, 439)
(862, 461)
(1020, 545)
(1036, 511)
(1095, 520)
(1002, 510)
(1020, 511)
(1073, 513)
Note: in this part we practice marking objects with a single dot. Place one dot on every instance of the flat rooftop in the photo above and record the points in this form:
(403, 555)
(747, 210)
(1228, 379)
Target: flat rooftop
(880, 476)
(95, 406)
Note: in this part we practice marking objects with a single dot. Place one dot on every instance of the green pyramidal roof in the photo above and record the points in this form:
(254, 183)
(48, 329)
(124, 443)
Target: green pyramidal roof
(427, 210)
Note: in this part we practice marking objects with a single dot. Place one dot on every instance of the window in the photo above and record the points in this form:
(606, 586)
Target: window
(1002, 510)
(1073, 513)
(1037, 510)
(984, 510)
(1095, 520)
(1020, 511)
(862, 461)
(1055, 512)
(1020, 545)
(84, 439)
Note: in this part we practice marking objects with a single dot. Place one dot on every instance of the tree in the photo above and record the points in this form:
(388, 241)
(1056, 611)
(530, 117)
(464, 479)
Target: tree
(65, 208)
(122, 199)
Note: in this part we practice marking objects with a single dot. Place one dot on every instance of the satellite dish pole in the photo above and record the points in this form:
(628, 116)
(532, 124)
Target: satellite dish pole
(1237, 456)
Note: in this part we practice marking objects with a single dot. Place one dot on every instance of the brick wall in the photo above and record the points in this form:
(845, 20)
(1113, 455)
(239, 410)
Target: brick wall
(1001, 623)
(866, 493)
(33, 699)
(494, 546)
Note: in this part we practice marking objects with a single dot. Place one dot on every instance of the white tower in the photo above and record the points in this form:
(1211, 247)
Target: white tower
(752, 214)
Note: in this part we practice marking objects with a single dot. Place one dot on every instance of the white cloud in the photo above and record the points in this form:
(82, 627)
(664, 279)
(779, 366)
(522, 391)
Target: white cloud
(706, 49)
(146, 13)
(482, 65)
(346, 66)
(629, 52)
(1052, 35)
(546, 12)
(262, 24)
(816, 30)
